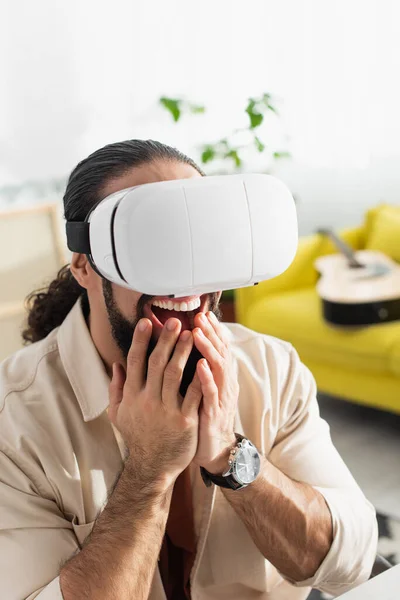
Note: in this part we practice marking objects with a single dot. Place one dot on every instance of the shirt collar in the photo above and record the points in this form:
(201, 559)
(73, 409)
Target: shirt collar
(83, 364)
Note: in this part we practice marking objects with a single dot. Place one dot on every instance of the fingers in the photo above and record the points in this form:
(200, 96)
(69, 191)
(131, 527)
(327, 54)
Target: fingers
(192, 400)
(116, 390)
(160, 356)
(136, 361)
(174, 370)
(212, 330)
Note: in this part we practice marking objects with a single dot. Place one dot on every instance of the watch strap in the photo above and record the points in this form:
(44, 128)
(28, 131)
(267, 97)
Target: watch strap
(227, 482)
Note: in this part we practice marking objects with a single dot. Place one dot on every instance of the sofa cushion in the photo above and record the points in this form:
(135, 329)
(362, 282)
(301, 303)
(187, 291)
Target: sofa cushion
(296, 317)
(383, 231)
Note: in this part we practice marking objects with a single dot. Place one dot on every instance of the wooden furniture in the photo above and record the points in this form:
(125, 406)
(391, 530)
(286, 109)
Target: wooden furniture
(32, 250)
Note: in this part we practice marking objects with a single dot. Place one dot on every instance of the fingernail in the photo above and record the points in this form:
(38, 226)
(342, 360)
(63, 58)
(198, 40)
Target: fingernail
(142, 325)
(171, 324)
(185, 335)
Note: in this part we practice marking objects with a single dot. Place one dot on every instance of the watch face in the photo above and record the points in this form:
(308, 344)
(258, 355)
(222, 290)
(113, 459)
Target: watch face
(247, 465)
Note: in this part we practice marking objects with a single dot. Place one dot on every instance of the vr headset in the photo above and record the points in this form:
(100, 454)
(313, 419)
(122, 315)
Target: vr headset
(190, 236)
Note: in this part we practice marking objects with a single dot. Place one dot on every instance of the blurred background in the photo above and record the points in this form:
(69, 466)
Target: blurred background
(306, 90)
(77, 76)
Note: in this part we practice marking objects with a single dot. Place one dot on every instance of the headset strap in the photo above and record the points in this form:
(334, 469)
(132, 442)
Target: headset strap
(78, 236)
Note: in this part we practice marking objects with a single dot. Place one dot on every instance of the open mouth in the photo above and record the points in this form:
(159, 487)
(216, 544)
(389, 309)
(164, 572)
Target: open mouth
(159, 316)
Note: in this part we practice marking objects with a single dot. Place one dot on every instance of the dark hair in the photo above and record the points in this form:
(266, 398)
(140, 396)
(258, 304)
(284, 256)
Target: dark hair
(48, 307)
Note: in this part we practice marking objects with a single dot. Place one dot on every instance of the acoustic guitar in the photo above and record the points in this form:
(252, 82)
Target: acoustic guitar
(358, 287)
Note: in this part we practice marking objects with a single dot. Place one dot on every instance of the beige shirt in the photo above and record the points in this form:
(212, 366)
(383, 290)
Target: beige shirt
(60, 456)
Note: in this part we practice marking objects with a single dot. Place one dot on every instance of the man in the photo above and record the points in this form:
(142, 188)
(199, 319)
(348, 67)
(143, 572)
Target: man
(104, 428)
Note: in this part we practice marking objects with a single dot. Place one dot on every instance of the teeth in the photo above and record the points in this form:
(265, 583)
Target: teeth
(183, 306)
(193, 304)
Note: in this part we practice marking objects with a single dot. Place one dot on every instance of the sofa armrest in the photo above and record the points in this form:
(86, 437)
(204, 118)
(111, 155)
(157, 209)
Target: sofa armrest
(301, 272)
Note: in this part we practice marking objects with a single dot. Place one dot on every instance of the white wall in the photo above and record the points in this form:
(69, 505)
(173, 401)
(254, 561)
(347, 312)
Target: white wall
(77, 75)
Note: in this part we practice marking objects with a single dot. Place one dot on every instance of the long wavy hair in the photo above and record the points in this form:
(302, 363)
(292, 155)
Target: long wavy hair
(48, 307)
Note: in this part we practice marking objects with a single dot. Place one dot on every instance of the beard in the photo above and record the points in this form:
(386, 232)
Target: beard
(122, 331)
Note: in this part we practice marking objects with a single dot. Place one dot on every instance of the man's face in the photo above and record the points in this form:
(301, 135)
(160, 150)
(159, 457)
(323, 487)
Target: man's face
(126, 307)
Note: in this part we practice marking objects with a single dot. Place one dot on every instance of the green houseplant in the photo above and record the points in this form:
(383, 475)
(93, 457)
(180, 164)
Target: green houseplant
(233, 148)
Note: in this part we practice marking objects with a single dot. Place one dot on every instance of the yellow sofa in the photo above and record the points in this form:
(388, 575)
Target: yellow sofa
(360, 365)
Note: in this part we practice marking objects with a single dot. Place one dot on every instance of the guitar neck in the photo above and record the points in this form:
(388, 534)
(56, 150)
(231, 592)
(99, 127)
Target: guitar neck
(343, 248)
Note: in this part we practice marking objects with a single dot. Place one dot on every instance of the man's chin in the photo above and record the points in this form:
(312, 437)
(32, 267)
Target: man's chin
(123, 330)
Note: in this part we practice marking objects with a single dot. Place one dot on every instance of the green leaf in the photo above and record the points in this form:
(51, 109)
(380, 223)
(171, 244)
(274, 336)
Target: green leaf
(173, 106)
(278, 155)
(228, 295)
(273, 109)
(197, 109)
(259, 145)
(208, 154)
(235, 156)
(250, 107)
(256, 118)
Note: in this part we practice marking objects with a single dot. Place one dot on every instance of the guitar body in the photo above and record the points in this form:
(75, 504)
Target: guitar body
(365, 295)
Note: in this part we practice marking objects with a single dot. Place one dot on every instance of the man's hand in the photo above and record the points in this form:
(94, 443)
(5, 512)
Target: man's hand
(158, 426)
(220, 388)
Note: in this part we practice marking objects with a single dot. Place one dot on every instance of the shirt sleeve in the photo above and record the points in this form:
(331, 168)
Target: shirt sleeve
(52, 591)
(304, 451)
(35, 537)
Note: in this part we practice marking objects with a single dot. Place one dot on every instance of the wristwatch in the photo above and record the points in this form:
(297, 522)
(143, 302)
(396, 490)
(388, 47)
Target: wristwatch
(244, 466)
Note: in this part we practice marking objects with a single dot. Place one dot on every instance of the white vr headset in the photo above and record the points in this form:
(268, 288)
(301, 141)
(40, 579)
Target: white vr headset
(190, 236)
